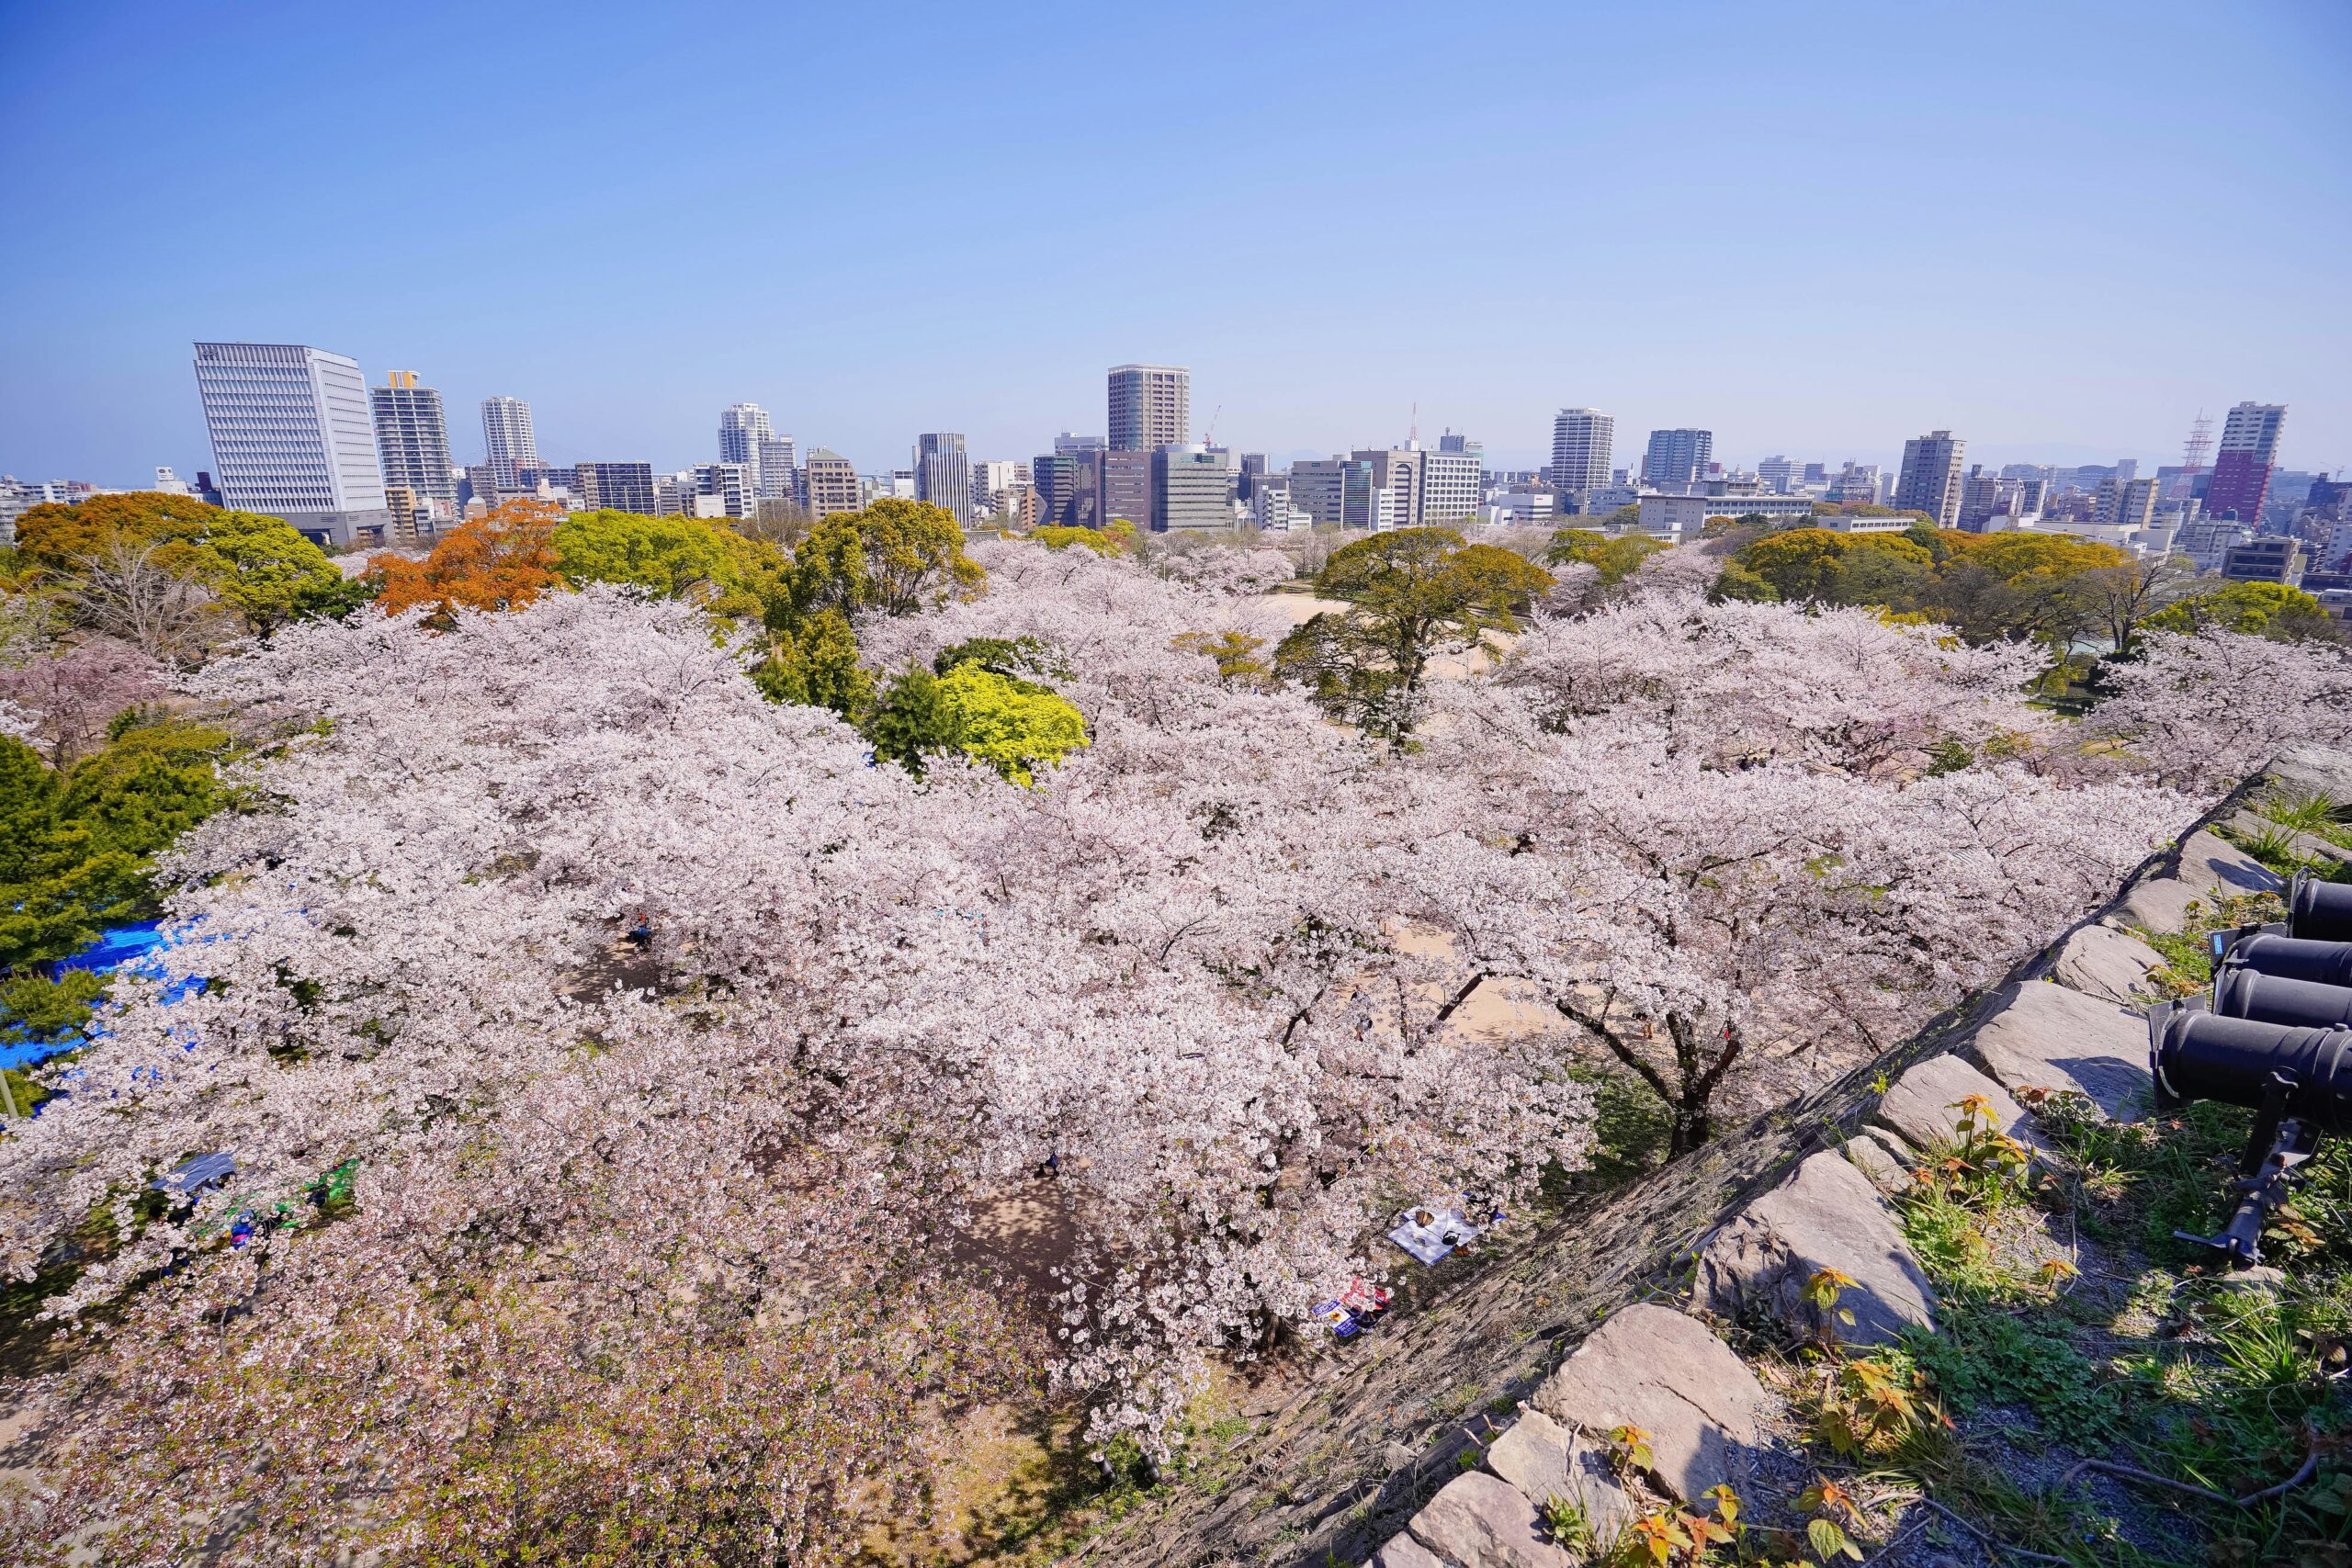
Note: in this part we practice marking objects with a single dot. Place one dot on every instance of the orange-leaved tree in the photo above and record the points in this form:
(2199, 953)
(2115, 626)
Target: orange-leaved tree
(501, 560)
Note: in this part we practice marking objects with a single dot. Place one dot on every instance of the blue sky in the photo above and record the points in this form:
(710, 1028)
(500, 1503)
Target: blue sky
(2060, 230)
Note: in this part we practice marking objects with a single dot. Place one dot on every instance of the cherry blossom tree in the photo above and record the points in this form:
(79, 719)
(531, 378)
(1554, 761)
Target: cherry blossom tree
(70, 690)
(1741, 682)
(2202, 710)
(1750, 931)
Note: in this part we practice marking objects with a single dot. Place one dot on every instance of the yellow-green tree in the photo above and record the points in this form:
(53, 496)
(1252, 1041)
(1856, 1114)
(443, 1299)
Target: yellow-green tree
(260, 567)
(686, 557)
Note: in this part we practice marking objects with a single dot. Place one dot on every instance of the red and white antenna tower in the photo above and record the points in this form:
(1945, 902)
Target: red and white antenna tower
(2193, 453)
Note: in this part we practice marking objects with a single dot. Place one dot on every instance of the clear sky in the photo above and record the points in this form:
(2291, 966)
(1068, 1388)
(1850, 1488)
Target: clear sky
(2060, 230)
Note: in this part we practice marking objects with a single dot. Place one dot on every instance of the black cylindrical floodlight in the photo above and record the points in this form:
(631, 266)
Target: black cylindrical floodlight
(2319, 910)
(2197, 1054)
(2240, 992)
(2290, 958)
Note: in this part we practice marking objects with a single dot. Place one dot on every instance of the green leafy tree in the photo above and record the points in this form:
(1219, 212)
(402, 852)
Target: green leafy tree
(813, 661)
(1799, 563)
(896, 558)
(2255, 609)
(1411, 594)
(679, 557)
(1616, 560)
(260, 567)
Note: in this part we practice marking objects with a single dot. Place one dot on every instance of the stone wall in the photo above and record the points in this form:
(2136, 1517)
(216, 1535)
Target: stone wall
(1357, 1456)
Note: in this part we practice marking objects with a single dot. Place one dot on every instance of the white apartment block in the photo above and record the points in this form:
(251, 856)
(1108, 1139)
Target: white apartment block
(291, 436)
(1581, 439)
(506, 435)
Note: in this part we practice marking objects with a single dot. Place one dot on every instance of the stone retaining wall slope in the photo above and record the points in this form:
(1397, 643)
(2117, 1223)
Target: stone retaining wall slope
(1363, 1462)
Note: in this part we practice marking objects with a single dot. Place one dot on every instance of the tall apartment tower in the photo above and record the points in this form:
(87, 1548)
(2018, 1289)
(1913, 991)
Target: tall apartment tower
(779, 461)
(1580, 442)
(1151, 406)
(1929, 478)
(742, 428)
(943, 474)
(291, 436)
(506, 436)
(1677, 458)
(412, 439)
(2241, 466)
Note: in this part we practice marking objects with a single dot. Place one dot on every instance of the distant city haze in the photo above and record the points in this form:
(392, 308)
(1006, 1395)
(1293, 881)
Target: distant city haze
(2060, 232)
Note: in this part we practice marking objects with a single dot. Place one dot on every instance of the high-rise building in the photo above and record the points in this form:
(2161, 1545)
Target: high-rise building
(2241, 466)
(1677, 458)
(1152, 405)
(1580, 442)
(1125, 495)
(1397, 471)
(506, 436)
(1070, 488)
(1777, 473)
(943, 474)
(412, 439)
(1192, 489)
(291, 436)
(832, 483)
(1246, 478)
(742, 428)
(779, 468)
(1929, 478)
(617, 486)
(990, 475)
(1452, 485)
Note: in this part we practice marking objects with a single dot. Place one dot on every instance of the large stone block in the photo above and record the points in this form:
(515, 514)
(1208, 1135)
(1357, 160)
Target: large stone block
(1881, 1158)
(1825, 1216)
(1404, 1552)
(2048, 1036)
(1657, 1369)
(1919, 1108)
(2210, 862)
(2160, 903)
(1548, 1461)
(1481, 1522)
(2100, 961)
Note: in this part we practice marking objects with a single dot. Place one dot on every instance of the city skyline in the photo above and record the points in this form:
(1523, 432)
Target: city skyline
(1774, 245)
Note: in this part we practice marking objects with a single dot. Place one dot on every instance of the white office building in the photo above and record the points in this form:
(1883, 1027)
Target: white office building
(1685, 516)
(506, 435)
(291, 437)
(1450, 485)
(1581, 439)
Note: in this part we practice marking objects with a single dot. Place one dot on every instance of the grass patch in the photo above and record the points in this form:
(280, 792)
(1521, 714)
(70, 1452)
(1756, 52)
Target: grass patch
(2187, 1374)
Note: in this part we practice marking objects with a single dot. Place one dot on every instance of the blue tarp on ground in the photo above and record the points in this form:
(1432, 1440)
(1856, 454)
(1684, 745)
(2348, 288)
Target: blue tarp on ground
(113, 948)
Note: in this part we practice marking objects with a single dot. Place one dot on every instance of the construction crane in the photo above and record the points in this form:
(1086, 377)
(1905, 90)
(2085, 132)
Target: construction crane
(1208, 437)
